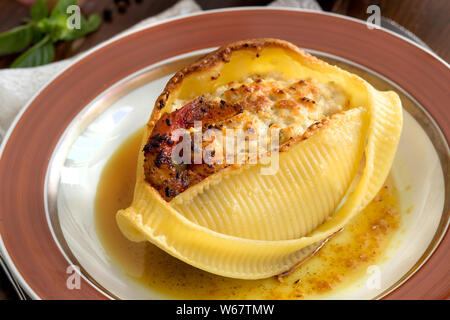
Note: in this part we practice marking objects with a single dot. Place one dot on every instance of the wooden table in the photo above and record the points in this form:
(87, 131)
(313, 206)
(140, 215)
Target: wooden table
(428, 19)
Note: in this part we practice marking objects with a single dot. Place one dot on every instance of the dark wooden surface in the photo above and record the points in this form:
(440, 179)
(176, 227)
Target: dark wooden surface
(6, 289)
(428, 19)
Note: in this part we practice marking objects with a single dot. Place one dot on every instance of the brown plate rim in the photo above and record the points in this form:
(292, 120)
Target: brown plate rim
(383, 52)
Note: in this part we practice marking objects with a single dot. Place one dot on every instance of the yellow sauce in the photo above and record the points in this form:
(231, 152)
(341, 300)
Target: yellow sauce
(343, 260)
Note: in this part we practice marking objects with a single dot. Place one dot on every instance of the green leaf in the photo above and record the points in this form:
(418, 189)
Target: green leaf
(40, 54)
(16, 39)
(55, 26)
(37, 35)
(59, 25)
(93, 23)
(86, 26)
(61, 7)
(39, 10)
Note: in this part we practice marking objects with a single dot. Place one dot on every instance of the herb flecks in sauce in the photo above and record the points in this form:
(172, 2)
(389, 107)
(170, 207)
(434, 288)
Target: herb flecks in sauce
(340, 262)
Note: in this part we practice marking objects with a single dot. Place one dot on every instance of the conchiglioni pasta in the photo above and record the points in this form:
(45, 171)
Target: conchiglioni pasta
(235, 221)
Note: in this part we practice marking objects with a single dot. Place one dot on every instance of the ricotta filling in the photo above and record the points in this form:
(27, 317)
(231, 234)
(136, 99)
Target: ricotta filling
(271, 104)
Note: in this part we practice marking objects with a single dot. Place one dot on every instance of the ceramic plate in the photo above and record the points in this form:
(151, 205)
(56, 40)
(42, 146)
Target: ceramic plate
(53, 156)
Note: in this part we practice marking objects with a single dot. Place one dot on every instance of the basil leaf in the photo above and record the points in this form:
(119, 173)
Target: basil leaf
(86, 26)
(93, 23)
(16, 39)
(61, 7)
(55, 27)
(40, 54)
(36, 34)
(39, 10)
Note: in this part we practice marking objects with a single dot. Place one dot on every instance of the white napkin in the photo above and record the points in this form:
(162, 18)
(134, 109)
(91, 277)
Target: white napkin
(17, 86)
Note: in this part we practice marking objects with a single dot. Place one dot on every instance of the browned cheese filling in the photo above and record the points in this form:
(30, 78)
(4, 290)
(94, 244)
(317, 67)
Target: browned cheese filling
(252, 108)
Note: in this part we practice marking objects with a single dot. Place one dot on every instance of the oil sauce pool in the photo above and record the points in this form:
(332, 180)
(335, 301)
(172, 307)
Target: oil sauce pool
(341, 262)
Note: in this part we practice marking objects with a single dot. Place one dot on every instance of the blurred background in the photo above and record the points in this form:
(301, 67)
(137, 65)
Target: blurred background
(429, 20)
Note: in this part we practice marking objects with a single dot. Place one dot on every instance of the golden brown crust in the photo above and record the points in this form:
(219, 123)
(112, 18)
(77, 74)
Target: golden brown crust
(308, 133)
(222, 54)
(168, 179)
(171, 179)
